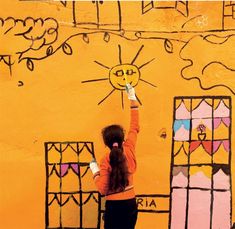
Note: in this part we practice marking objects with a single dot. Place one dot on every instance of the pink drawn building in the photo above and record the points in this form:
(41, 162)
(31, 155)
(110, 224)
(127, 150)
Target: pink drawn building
(201, 163)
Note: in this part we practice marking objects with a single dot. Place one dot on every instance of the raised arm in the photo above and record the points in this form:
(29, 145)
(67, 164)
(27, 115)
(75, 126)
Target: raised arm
(134, 118)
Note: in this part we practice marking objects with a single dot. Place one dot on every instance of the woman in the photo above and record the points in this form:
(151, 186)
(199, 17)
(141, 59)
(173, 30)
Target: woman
(114, 179)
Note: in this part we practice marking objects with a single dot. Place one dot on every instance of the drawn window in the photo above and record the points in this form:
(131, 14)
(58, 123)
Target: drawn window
(201, 163)
(180, 6)
(70, 202)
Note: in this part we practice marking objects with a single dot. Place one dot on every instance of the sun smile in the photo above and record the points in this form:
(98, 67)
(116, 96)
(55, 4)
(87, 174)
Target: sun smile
(124, 85)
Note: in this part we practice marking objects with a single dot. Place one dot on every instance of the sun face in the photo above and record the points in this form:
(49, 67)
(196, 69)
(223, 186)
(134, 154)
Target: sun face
(121, 74)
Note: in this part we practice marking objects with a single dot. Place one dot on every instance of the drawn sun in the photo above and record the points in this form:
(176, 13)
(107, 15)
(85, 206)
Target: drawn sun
(121, 74)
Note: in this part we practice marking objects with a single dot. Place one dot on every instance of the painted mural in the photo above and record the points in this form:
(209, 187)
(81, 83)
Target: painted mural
(62, 67)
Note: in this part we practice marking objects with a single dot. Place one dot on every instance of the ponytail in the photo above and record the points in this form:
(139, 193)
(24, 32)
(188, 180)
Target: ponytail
(119, 172)
(113, 137)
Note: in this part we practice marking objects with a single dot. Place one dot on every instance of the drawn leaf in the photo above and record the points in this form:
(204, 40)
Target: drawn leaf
(85, 38)
(67, 49)
(51, 31)
(106, 37)
(30, 64)
(168, 46)
(49, 50)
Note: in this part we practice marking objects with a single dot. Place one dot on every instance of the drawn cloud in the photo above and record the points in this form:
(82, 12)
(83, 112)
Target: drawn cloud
(210, 61)
(18, 36)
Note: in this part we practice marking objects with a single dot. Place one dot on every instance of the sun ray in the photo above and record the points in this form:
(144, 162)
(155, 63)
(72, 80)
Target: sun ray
(138, 99)
(94, 80)
(101, 64)
(146, 63)
(137, 54)
(106, 97)
(145, 81)
(120, 54)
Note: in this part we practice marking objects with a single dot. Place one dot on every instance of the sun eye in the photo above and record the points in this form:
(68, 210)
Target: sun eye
(119, 73)
(130, 72)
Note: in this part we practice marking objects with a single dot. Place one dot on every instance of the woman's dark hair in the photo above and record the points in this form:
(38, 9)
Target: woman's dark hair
(119, 173)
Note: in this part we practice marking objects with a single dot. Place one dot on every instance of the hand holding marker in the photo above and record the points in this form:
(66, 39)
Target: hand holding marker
(130, 90)
(94, 166)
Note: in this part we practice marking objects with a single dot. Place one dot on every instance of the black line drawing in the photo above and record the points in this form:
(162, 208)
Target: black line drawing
(189, 25)
(29, 54)
(197, 123)
(29, 35)
(148, 203)
(228, 14)
(63, 160)
(180, 6)
(208, 67)
(96, 9)
(20, 83)
(123, 73)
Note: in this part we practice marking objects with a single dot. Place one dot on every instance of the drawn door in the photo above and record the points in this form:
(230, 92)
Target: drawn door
(201, 163)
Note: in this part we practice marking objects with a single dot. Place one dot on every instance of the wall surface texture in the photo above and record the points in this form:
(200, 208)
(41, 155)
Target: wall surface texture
(61, 81)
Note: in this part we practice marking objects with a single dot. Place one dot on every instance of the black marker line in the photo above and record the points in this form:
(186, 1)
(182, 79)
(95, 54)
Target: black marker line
(101, 64)
(106, 97)
(137, 54)
(145, 81)
(141, 66)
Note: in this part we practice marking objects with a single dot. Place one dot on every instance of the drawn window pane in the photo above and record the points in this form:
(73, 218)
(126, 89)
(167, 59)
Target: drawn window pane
(69, 153)
(201, 129)
(221, 149)
(183, 109)
(54, 178)
(202, 108)
(181, 153)
(200, 177)
(90, 210)
(200, 152)
(178, 209)
(70, 179)
(221, 210)
(221, 128)
(85, 153)
(54, 211)
(181, 130)
(180, 177)
(54, 155)
(221, 108)
(70, 210)
(221, 177)
(199, 209)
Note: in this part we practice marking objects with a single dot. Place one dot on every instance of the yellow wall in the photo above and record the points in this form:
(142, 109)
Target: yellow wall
(55, 104)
